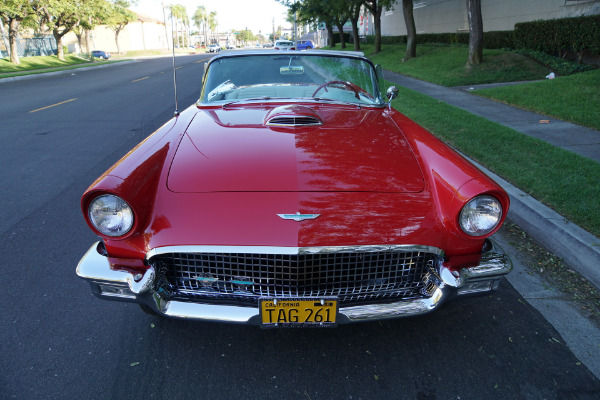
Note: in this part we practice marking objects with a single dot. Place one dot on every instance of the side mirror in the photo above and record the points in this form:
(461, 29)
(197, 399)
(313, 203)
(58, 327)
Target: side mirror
(392, 93)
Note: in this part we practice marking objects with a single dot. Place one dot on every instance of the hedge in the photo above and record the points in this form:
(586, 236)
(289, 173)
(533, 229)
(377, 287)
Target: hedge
(491, 40)
(559, 36)
(553, 36)
(559, 65)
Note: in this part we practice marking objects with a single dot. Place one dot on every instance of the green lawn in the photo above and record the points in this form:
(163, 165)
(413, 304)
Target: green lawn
(39, 62)
(566, 182)
(574, 98)
(446, 65)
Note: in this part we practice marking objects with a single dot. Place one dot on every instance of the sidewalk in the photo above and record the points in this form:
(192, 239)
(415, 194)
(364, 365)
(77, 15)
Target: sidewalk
(577, 247)
(571, 137)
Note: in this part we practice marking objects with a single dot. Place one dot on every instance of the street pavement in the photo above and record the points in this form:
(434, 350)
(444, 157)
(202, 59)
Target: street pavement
(61, 342)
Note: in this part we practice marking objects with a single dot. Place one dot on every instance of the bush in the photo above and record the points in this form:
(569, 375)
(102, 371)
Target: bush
(499, 40)
(347, 38)
(491, 40)
(559, 65)
(387, 39)
(558, 36)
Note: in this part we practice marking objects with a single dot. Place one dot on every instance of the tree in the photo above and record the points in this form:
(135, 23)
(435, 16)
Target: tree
(200, 18)
(61, 16)
(475, 33)
(245, 36)
(339, 15)
(376, 8)
(411, 30)
(315, 11)
(118, 17)
(212, 23)
(15, 13)
(354, 15)
(173, 11)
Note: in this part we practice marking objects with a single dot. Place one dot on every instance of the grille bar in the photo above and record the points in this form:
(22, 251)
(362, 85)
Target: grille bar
(354, 277)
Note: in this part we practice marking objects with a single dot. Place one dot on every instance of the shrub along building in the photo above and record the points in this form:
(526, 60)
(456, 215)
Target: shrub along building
(450, 16)
(564, 28)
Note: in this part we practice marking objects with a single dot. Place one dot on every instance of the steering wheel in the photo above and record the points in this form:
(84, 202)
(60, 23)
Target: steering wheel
(356, 89)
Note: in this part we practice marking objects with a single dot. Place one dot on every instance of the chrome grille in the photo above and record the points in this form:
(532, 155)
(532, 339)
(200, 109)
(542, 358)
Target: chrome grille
(354, 277)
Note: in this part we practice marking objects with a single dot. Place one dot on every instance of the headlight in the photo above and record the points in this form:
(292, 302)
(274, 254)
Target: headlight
(111, 215)
(480, 216)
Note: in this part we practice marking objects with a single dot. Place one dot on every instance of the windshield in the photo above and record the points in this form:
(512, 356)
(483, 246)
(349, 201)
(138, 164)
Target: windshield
(299, 76)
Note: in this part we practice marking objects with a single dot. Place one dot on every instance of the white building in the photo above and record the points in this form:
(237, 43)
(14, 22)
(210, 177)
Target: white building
(144, 33)
(445, 16)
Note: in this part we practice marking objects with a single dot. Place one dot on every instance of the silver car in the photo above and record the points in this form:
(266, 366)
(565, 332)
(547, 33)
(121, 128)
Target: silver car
(284, 45)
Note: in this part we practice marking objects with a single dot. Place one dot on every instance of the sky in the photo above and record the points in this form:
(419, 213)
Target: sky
(256, 15)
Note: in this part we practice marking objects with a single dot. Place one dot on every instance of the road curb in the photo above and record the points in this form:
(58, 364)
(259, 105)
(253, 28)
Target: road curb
(62, 72)
(577, 247)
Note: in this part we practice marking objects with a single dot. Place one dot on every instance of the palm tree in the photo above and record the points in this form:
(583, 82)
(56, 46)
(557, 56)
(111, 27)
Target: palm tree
(212, 22)
(200, 17)
(179, 13)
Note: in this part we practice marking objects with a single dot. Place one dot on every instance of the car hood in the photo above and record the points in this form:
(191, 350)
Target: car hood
(234, 149)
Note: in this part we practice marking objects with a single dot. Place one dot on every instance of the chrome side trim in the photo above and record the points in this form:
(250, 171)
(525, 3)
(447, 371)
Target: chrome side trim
(290, 250)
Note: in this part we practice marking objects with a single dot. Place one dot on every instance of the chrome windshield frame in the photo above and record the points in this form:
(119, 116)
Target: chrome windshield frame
(378, 95)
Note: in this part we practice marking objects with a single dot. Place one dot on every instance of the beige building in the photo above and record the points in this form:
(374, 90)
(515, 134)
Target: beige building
(444, 16)
(143, 34)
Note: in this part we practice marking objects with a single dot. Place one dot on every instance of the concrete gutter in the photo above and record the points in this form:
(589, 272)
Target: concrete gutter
(577, 247)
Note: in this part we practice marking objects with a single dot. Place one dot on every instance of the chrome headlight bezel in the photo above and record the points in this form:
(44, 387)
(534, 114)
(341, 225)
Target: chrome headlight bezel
(480, 216)
(110, 215)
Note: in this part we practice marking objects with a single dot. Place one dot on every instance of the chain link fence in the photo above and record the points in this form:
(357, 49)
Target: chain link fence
(36, 46)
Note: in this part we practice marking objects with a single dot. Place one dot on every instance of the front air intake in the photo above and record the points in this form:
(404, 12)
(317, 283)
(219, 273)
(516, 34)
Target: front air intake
(294, 121)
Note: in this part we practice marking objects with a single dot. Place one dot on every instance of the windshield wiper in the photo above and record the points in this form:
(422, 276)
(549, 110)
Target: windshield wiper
(333, 101)
(254, 99)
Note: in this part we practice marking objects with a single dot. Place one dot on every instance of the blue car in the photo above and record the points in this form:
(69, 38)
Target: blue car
(304, 45)
(101, 54)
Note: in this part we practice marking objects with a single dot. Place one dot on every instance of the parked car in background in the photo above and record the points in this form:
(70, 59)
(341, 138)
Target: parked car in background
(293, 194)
(304, 45)
(101, 54)
(268, 45)
(284, 45)
(214, 48)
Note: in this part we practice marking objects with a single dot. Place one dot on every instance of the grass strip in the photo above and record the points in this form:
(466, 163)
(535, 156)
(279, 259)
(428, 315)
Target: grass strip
(39, 62)
(446, 65)
(564, 181)
(574, 98)
(42, 71)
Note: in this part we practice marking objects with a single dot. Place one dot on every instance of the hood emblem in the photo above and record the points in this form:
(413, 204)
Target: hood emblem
(298, 216)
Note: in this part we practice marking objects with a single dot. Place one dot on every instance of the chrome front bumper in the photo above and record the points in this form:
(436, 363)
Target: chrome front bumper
(110, 284)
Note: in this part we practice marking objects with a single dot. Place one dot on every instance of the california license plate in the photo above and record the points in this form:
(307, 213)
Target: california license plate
(294, 312)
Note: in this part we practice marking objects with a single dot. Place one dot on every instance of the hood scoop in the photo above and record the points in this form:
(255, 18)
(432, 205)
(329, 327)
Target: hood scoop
(293, 115)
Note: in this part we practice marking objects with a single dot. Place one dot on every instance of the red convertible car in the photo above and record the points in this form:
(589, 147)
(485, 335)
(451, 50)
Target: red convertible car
(292, 194)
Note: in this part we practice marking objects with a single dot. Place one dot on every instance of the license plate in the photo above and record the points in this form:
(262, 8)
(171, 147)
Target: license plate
(294, 312)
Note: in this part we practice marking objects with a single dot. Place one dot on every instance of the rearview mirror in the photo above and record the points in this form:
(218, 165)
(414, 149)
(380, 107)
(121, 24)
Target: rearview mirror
(392, 93)
(291, 70)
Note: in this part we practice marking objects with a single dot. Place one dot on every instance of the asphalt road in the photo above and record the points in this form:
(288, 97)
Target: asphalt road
(57, 341)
